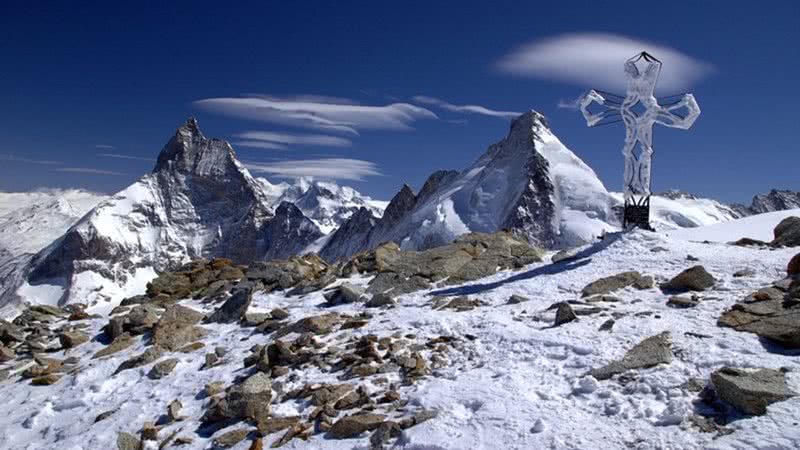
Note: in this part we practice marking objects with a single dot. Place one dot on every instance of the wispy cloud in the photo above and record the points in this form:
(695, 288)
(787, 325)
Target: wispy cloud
(9, 157)
(282, 141)
(120, 156)
(573, 104)
(595, 60)
(105, 147)
(472, 109)
(325, 168)
(321, 113)
(88, 170)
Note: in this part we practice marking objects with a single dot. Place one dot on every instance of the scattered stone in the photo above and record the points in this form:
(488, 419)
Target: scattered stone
(46, 380)
(255, 319)
(279, 314)
(418, 418)
(71, 339)
(247, 400)
(214, 388)
(611, 283)
(351, 426)
(692, 258)
(384, 433)
(516, 299)
(645, 282)
(147, 357)
(162, 368)
(692, 279)
(234, 309)
(768, 314)
(6, 354)
(231, 438)
(149, 432)
(177, 328)
(104, 415)
(750, 392)
(749, 242)
(380, 299)
(322, 324)
(459, 304)
(193, 347)
(258, 444)
(607, 325)
(300, 430)
(606, 298)
(683, 302)
(174, 411)
(211, 360)
(564, 314)
(650, 352)
(746, 272)
(345, 293)
(10, 333)
(127, 441)
(275, 424)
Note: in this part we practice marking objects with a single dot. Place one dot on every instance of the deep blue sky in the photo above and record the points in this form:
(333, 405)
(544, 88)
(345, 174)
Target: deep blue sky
(77, 76)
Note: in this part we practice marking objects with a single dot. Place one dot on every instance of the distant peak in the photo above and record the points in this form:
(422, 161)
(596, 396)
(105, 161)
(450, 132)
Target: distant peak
(188, 151)
(190, 127)
(528, 119)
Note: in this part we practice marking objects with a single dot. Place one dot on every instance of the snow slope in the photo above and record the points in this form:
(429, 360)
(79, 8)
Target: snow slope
(759, 227)
(517, 384)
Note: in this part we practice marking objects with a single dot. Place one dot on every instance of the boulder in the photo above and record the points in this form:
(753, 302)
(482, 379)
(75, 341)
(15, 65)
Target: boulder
(793, 268)
(127, 441)
(117, 345)
(750, 392)
(176, 328)
(611, 283)
(692, 279)
(650, 352)
(564, 314)
(147, 357)
(162, 368)
(379, 300)
(247, 400)
(234, 308)
(516, 299)
(678, 301)
(6, 354)
(787, 233)
(10, 333)
(231, 438)
(352, 426)
(345, 293)
(322, 324)
(769, 313)
(70, 339)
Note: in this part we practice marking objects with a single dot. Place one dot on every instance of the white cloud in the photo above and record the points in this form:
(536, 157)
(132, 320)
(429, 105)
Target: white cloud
(574, 104)
(120, 156)
(88, 170)
(281, 141)
(595, 60)
(322, 113)
(325, 168)
(104, 147)
(474, 109)
(9, 157)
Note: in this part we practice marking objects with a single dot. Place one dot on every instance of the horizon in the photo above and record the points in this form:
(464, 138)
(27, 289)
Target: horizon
(398, 95)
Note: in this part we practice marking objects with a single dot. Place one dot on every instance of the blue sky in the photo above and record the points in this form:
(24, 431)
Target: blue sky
(82, 82)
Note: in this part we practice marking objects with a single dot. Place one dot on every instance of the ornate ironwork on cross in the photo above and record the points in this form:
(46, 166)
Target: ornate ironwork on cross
(639, 109)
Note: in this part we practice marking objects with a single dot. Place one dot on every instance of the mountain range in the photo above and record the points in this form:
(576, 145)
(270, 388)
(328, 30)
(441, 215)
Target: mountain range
(201, 202)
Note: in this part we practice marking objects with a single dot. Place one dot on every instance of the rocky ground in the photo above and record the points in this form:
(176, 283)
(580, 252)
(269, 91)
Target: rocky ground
(637, 341)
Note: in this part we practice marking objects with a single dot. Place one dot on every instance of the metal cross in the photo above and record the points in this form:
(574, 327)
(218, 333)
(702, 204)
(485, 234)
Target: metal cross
(639, 109)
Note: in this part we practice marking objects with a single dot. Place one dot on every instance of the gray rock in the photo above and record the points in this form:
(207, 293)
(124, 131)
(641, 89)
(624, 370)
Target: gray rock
(645, 282)
(607, 325)
(162, 368)
(255, 319)
(176, 328)
(6, 354)
(611, 283)
(70, 339)
(678, 301)
(564, 314)
(563, 255)
(345, 293)
(787, 233)
(769, 313)
(147, 357)
(378, 300)
(744, 273)
(234, 309)
(516, 299)
(750, 392)
(692, 279)
(351, 426)
(650, 352)
(117, 345)
(279, 314)
(247, 400)
(10, 333)
(231, 438)
(127, 441)
(174, 411)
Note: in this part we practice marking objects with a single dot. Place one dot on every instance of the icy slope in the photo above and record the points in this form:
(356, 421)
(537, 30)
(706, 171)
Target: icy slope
(671, 211)
(758, 227)
(514, 382)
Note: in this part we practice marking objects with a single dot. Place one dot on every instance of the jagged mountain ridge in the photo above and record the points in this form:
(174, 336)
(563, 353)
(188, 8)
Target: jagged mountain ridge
(774, 200)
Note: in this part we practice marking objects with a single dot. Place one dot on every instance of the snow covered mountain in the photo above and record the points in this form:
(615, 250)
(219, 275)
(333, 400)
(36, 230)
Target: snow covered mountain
(774, 200)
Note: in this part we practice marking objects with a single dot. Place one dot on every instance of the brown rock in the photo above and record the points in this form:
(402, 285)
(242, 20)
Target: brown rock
(231, 438)
(794, 266)
(176, 327)
(351, 426)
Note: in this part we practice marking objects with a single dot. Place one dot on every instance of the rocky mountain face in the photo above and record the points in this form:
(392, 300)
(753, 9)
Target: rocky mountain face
(529, 182)
(198, 202)
(774, 200)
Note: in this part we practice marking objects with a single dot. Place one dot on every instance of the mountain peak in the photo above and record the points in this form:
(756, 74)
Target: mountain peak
(189, 151)
(529, 120)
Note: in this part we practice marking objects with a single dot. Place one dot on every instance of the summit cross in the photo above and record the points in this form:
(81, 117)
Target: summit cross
(639, 110)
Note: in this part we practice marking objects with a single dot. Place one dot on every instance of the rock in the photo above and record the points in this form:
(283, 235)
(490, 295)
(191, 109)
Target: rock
(352, 426)
(248, 400)
(231, 438)
(234, 308)
(322, 324)
(211, 360)
(683, 302)
(607, 325)
(127, 441)
(330, 393)
(255, 319)
(459, 304)
(104, 415)
(516, 299)
(650, 352)
(279, 314)
(10, 333)
(6, 354)
(71, 339)
(174, 411)
(212, 389)
(380, 299)
(147, 357)
(767, 314)
(258, 444)
(749, 242)
(176, 328)
(383, 434)
(564, 255)
(46, 380)
(645, 282)
(793, 268)
(747, 272)
(692, 279)
(611, 283)
(162, 368)
(787, 233)
(750, 392)
(564, 314)
(275, 424)
(345, 293)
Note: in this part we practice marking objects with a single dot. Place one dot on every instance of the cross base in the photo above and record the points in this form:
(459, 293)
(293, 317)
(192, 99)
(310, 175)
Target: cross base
(637, 214)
